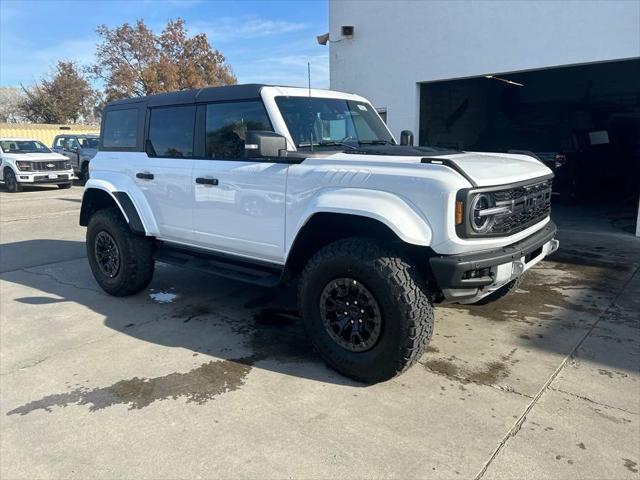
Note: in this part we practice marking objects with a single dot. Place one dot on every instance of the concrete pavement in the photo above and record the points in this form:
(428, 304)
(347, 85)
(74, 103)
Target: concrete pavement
(204, 377)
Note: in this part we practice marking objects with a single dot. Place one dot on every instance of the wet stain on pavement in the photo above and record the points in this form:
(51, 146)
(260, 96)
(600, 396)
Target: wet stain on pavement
(266, 338)
(489, 374)
(198, 386)
(630, 465)
(538, 295)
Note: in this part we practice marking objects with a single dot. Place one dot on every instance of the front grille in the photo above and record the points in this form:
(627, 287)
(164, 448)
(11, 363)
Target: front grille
(49, 166)
(528, 204)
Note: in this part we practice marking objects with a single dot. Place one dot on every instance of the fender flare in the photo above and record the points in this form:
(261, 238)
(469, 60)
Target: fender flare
(129, 206)
(397, 213)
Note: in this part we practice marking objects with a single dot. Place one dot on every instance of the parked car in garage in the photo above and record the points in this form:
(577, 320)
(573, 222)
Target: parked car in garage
(79, 149)
(556, 151)
(31, 162)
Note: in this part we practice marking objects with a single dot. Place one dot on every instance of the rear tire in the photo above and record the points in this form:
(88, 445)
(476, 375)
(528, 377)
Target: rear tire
(390, 287)
(11, 182)
(510, 287)
(84, 173)
(121, 261)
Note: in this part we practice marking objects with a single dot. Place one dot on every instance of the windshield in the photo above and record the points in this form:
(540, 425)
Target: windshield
(332, 121)
(89, 142)
(23, 146)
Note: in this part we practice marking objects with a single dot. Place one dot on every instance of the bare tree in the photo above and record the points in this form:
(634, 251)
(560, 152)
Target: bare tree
(65, 97)
(11, 99)
(133, 61)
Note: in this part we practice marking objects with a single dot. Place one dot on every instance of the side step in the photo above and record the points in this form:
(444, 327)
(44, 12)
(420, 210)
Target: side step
(265, 275)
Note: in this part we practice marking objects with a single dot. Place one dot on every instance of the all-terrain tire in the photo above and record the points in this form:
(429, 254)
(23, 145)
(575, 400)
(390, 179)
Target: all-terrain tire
(11, 182)
(512, 286)
(136, 263)
(398, 289)
(84, 173)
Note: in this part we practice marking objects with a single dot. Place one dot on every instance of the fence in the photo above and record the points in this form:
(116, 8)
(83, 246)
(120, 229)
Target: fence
(42, 132)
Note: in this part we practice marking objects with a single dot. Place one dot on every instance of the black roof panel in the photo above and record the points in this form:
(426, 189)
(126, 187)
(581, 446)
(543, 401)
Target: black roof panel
(208, 94)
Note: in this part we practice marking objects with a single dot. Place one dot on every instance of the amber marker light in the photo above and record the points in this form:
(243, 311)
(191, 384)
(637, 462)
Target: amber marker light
(459, 212)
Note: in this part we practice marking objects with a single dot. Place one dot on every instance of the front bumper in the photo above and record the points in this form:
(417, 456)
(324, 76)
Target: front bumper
(45, 177)
(469, 277)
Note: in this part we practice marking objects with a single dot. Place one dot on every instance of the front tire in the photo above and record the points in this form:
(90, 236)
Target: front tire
(64, 186)
(392, 329)
(121, 261)
(11, 182)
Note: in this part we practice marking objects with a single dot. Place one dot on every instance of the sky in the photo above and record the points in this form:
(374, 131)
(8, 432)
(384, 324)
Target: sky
(264, 41)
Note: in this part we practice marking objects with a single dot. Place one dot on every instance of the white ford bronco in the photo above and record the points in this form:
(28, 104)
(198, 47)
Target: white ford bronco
(272, 185)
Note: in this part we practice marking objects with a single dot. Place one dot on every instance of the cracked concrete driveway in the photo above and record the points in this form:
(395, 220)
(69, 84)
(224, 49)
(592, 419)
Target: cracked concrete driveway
(204, 377)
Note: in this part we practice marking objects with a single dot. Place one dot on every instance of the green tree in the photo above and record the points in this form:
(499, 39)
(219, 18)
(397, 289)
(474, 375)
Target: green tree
(133, 61)
(66, 97)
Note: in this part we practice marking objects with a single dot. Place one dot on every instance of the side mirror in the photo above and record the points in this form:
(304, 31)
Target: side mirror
(406, 137)
(259, 143)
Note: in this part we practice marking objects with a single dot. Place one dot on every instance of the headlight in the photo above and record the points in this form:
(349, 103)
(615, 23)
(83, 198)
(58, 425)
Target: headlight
(481, 217)
(67, 166)
(23, 166)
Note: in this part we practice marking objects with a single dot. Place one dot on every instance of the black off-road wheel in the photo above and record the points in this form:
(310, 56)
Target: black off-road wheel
(510, 287)
(11, 182)
(121, 261)
(366, 309)
(64, 186)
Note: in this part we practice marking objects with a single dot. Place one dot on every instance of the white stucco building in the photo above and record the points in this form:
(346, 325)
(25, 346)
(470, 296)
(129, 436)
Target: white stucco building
(399, 44)
(572, 71)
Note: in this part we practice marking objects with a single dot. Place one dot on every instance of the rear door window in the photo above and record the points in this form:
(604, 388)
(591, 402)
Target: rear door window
(171, 132)
(120, 128)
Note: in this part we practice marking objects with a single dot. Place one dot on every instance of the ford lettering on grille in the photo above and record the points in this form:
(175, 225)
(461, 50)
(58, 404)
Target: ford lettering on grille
(527, 205)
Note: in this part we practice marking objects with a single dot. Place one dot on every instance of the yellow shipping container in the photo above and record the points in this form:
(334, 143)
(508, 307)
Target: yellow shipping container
(43, 132)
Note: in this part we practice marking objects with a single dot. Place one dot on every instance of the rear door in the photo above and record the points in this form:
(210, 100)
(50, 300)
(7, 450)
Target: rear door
(154, 149)
(239, 204)
(164, 175)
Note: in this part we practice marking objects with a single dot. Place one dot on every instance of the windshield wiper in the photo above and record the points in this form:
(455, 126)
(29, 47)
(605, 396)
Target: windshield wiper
(327, 143)
(332, 143)
(374, 142)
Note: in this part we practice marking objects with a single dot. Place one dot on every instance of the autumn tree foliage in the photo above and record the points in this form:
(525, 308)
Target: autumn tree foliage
(65, 97)
(133, 61)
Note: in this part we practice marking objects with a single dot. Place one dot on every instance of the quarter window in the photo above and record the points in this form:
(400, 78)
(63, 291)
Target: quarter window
(171, 132)
(120, 128)
(227, 125)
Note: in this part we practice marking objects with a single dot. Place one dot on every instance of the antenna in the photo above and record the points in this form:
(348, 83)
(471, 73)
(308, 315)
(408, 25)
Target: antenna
(310, 121)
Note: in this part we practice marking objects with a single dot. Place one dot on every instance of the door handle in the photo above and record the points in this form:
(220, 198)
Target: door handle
(207, 181)
(144, 175)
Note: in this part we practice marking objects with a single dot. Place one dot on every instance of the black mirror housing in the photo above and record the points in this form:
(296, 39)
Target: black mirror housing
(262, 143)
(406, 137)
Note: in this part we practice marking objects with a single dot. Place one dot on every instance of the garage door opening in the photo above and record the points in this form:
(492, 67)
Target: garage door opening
(583, 121)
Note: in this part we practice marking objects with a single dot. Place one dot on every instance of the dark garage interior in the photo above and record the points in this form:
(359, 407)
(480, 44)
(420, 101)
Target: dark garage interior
(582, 121)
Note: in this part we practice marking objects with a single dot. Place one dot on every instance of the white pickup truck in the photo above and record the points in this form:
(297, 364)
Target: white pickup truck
(272, 185)
(24, 161)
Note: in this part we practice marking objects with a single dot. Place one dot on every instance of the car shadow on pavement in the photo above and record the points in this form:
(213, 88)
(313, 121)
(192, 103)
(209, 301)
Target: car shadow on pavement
(214, 318)
(259, 328)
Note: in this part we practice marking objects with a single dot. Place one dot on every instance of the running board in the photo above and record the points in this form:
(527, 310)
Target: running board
(262, 274)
